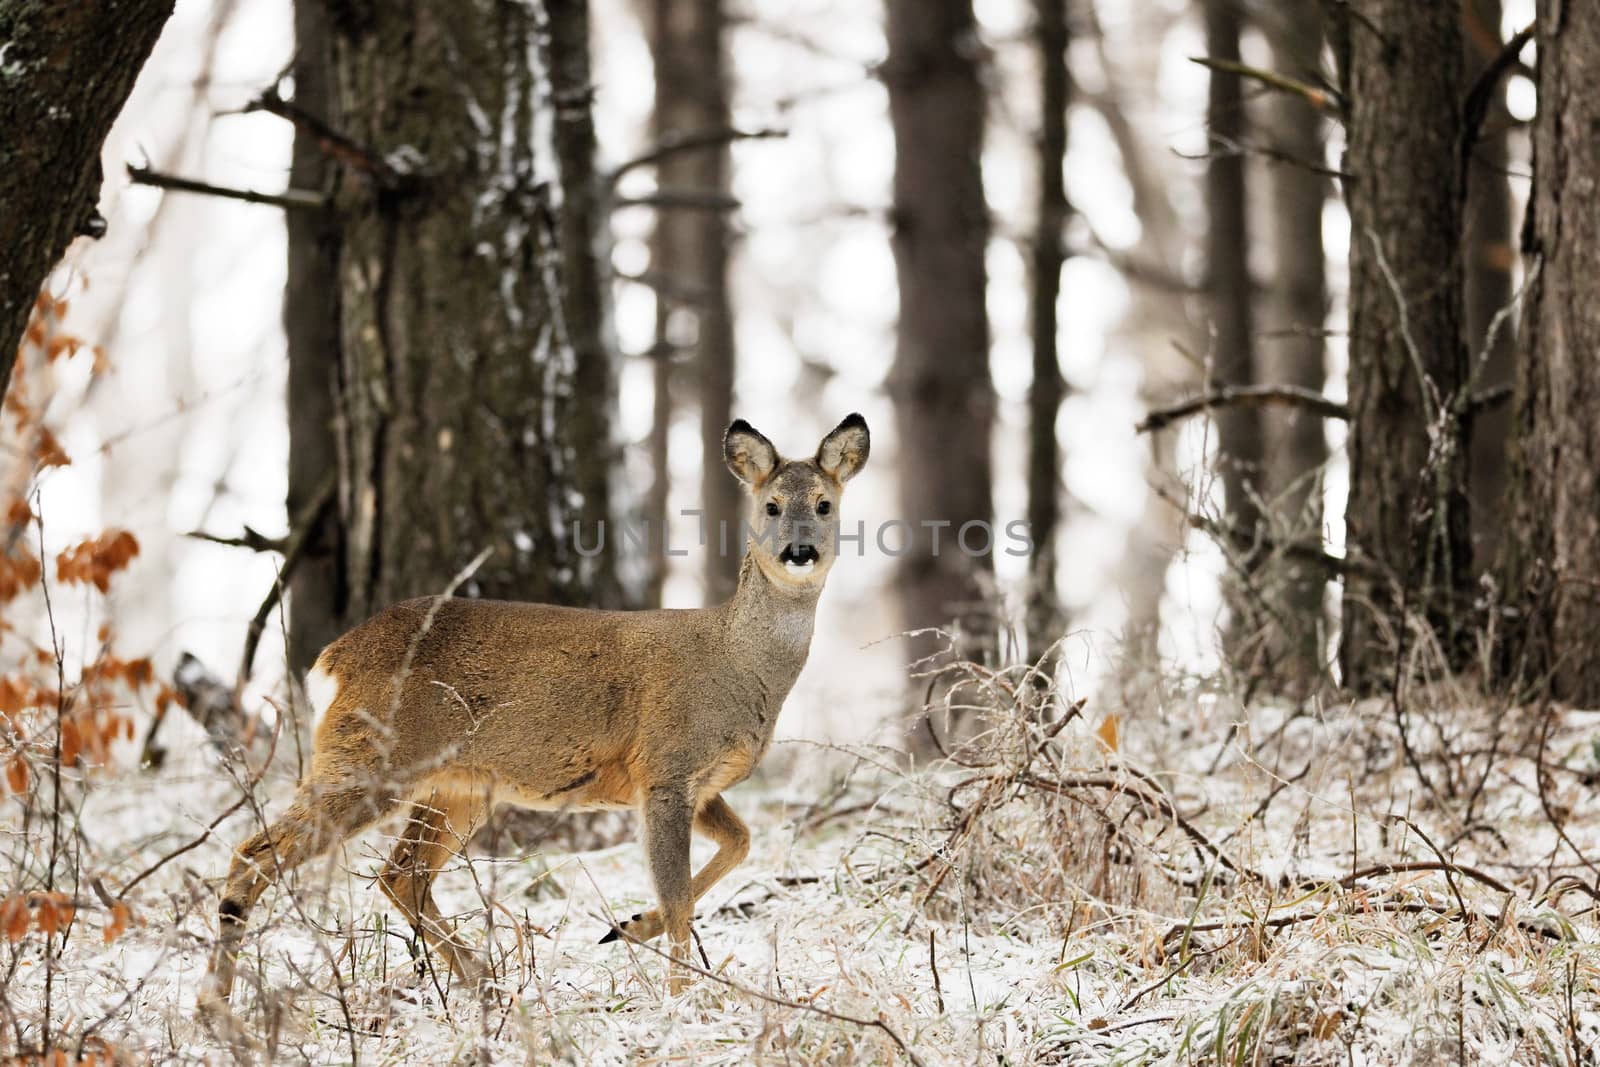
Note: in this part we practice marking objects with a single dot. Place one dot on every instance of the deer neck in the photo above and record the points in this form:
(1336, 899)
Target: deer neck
(779, 619)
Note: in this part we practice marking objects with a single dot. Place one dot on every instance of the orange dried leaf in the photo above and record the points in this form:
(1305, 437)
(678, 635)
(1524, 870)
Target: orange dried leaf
(17, 775)
(94, 561)
(120, 915)
(71, 742)
(49, 450)
(14, 918)
(17, 573)
(1109, 732)
(52, 912)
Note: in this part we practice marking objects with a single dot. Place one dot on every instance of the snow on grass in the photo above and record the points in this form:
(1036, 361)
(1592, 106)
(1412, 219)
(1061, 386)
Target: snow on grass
(960, 910)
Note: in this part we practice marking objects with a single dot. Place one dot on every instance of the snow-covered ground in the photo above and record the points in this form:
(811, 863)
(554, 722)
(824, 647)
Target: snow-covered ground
(1053, 902)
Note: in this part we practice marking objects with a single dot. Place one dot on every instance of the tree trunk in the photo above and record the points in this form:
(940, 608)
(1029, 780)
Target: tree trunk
(1552, 548)
(660, 491)
(1292, 351)
(691, 248)
(1239, 452)
(1487, 253)
(1407, 512)
(943, 399)
(580, 233)
(471, 386)
(317, 585)
(65, 71)
(1045, 621)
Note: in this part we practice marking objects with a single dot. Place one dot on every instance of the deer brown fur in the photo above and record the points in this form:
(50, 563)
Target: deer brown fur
(452, 706)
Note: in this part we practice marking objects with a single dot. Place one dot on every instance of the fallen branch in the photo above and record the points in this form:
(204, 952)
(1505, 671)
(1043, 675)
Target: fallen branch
(291, 199)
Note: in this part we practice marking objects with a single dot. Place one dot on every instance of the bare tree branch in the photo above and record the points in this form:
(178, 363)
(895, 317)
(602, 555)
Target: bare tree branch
(1325, 100)
(334, 144)
(1255, 396)
(690, 142)
(296, 199)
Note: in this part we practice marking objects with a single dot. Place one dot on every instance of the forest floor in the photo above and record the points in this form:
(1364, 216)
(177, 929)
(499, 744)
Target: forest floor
(1170, 885)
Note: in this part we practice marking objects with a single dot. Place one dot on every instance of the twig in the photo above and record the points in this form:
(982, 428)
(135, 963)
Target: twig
(1476, 107)
(1349, 880)
(289, 199)
(690, 199)
(675, 144)
(1235, 147)
(1157, 801)
(1324, 100)
(332, 143)
(1254, 396)
(211, 827)
(1304, 551)
(293, 548)
(783, 1002)
(1540, 780)
(253, 539)
(1490, 398)
(55, 766)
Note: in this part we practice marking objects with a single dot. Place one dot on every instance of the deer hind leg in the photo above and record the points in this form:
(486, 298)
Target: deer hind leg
(319, 819)
(716, 821)
(436, 830)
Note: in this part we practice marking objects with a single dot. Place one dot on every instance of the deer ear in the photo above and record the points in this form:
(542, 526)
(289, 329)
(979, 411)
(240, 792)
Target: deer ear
(844, 451)
(749, 455)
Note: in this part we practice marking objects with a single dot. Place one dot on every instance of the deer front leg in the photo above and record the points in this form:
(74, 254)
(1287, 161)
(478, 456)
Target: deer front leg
(668, 819)
(717, 822)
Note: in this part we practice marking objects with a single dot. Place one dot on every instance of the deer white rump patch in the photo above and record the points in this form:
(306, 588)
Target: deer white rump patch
(321, 688)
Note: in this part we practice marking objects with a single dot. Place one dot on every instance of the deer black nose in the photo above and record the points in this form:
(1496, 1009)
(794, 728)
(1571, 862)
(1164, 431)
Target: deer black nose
(800, 554)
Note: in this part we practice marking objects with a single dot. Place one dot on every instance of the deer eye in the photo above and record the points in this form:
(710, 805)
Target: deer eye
(824, 506)
(773, 509)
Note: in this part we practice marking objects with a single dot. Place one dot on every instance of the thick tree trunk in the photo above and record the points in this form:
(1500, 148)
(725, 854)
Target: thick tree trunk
(65, 71)
(943, 398)
(1487, 252)
(1045, 622)
(692, 247)
(1407, 511)
(580, 233)
(1552, 548)
(1239, 451)
(1292, 351)
(471, 383)
(317, 585)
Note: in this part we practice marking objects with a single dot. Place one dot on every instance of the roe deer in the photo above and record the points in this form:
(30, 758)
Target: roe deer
(452, 706)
